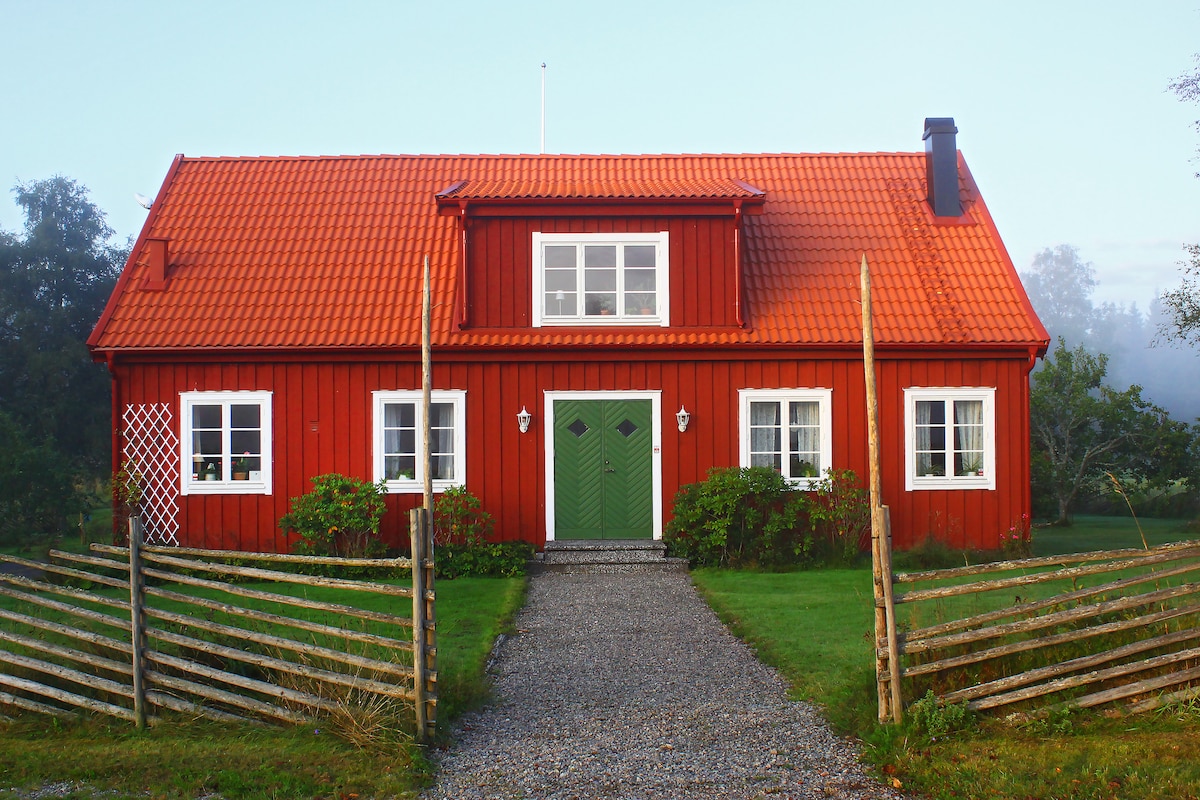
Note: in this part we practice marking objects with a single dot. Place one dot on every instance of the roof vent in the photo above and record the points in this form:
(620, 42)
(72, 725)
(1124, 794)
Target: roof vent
(941, 166)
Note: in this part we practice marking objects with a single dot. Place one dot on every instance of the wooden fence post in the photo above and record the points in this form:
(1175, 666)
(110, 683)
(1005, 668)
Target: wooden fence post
(888, 686)
(417, 532)
(137, 627)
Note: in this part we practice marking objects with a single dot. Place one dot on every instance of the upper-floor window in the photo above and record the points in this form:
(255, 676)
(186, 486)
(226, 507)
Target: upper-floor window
(600, 279)
(398, 448)
(950, 438)
(787, 430)
(225, 446)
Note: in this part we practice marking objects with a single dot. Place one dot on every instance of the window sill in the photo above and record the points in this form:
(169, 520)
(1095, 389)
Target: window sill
(417, 487)
(941, 483)
(579, 322)
(226, 487)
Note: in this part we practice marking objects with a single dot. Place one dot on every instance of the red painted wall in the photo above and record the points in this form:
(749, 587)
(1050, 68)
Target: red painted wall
(322, 423)
(500, 266)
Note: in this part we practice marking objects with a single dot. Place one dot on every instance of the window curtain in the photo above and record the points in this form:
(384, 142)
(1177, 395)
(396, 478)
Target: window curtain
(765, 435)
(968, 435)
(924, 437)
(804, 420)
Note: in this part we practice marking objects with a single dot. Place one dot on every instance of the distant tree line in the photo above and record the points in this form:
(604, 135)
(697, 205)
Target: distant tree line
(55, 277)
(1098, 440)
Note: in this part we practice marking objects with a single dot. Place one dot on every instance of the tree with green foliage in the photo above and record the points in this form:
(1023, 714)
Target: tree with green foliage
(54, 282)
(1082, 428)
(1183, 302)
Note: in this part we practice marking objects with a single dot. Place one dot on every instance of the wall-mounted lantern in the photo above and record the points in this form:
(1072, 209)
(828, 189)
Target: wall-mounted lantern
(523, 419)
(682, 417)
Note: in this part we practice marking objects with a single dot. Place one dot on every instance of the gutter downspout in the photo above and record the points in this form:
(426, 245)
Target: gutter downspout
(463, 319)
(737, 264)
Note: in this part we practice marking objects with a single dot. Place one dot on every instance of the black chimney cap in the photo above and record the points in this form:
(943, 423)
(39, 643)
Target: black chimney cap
(938, 125)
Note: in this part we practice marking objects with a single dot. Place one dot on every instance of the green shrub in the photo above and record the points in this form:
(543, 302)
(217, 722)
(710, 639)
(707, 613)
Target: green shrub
(752, 517)
(459, 520)
(339, 517)
(482, 559)
(739, 516)
(927, 718)
(839, 511)
(461, 529)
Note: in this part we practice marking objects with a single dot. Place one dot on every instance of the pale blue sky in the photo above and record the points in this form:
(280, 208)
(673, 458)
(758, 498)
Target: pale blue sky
(1062, 107)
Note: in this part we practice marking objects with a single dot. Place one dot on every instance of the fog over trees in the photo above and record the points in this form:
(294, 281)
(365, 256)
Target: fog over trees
(1061, 286)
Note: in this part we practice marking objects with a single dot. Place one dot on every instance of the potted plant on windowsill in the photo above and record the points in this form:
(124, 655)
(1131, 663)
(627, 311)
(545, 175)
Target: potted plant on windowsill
(210, 471)
(241, 468)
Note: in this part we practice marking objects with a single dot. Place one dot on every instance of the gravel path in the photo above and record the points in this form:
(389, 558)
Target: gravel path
(628, 686)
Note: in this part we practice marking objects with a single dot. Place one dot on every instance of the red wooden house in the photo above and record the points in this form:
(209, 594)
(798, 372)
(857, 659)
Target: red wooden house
(266, 329)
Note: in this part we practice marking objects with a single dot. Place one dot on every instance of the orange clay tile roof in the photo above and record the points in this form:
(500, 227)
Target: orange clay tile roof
(326, 252)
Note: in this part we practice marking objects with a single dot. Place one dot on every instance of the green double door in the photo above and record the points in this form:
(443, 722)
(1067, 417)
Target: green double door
(603, 469)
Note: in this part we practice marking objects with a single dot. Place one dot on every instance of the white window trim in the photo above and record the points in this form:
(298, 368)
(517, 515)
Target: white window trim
(416, 484)
(228, 486)
(662, 261)
(824, 399)
(913, 482)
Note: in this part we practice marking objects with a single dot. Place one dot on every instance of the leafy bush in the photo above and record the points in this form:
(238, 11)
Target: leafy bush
(339, 517)
(751, 516)
(483, 559)
(840, 513)
(927, 718)
(461, 529)
(458, 518)
(739, 516)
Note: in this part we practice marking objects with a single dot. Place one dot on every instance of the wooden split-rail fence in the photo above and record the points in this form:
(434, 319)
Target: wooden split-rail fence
(1118, 629)
(130, 631)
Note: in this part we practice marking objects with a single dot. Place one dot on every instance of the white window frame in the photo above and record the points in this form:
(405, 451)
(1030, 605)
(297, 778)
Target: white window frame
(662, 259)
(260, 480)
(913, 395)
(824, 400)
(457, 398)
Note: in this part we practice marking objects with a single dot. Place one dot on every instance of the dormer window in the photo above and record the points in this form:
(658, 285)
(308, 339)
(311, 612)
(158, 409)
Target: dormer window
(600, 279)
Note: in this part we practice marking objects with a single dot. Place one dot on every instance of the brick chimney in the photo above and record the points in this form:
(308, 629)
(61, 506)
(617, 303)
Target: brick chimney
(941, 166)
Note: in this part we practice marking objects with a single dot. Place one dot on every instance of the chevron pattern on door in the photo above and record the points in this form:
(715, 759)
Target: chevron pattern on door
(603, 469)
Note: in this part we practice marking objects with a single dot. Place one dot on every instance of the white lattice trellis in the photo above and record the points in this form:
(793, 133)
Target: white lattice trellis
(150, 441)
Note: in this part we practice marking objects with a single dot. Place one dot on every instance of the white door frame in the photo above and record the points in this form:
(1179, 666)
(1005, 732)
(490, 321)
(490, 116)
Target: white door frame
(655, 398)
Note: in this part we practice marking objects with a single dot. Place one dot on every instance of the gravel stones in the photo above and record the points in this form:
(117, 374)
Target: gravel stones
(628, 686)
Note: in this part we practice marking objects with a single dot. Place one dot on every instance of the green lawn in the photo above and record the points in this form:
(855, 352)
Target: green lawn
(815, 627)
(1110, 533)
(181, 759)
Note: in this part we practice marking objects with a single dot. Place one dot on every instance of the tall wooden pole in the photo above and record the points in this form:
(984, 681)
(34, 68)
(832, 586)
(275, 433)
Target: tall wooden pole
(137, 626)
(423, 563)
(891, 704)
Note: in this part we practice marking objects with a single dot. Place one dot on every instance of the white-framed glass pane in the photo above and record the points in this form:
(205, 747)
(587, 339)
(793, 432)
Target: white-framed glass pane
(639, 255)
(804, 439)
(558, 255)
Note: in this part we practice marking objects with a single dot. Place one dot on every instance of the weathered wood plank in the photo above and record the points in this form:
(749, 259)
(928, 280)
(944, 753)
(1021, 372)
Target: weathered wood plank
(281, 577)
(1022, 609)
(279, 619)
(1047, 641)
(1082, 662)
(1050, 620)
(283, 643)
(229, 698)
(70, 698)
(281, 599)
(1085, 679)
(274, 690)
(1047, 561)
(1028, 580)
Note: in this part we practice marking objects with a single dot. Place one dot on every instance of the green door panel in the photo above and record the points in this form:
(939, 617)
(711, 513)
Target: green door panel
(603, 469)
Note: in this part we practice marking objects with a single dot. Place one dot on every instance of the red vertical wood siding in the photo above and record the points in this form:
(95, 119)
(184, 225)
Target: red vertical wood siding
(500, 266)
(322, 423)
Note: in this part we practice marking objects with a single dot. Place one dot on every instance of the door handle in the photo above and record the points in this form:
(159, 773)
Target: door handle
(609, 470)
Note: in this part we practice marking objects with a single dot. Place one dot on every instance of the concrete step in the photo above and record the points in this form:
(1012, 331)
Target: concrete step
(605, 556)
(620, 551)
